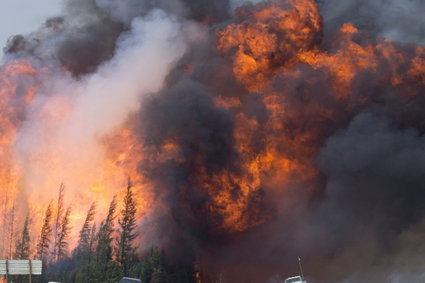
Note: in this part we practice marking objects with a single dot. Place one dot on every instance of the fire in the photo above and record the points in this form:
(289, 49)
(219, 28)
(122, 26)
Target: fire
(303, 90)
(267, 38)
(38, 176)
(15, 77)
(273, 42)
(116, 164)
(275, 36)
(123, 154)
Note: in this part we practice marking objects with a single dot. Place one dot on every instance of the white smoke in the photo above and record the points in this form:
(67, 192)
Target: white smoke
(142, 61)
(59, 141)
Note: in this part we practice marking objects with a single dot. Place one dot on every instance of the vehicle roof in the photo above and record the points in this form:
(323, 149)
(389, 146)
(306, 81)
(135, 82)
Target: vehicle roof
(129, 280)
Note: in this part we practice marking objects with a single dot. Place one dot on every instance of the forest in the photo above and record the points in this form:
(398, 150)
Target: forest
(105, 252)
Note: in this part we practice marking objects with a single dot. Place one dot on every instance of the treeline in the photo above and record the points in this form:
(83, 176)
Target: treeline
(104, 253)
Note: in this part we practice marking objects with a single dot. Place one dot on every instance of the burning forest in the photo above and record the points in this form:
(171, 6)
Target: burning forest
(217, 141)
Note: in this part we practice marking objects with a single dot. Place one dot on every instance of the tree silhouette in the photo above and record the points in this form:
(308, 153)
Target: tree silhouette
(58, 225)
(64, 230)
(127, 223)
(84, 242)
(22, 250)
(46, 231)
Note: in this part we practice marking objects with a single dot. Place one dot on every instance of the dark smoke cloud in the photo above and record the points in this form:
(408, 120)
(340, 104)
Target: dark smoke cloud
(185, 115)
(399, 20)
(203, 10)
(375, 179)
(80, 40)
(366, 227)
(86, 35)
(367, 209)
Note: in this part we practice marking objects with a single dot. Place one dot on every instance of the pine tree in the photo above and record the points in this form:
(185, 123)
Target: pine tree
(106, 269)
(153, 269)
(46, 231)
(92, 243)
(83, 247)
(64, 230)
(127, 234)
(23, 243)
(158, 276)
(60, 267)
(104, 237)
(148, 265)
(57, 226)
(83, 254)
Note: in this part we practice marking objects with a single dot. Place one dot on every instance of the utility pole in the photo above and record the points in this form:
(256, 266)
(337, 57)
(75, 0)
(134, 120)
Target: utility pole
(301, 268)
(30, 275)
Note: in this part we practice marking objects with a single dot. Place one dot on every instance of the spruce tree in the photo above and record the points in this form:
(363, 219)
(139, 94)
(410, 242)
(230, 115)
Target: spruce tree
(64, 230)
(92, 243)
(153, 268)
(104, 237)
(23, 243)
(159, 276)
(83, 247)
(57, 225)
(106, 269)
(83, 253)
(127, 234)
(46, 231)
(61, 266)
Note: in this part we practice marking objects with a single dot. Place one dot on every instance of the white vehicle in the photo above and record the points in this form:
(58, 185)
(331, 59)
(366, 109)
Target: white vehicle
(296, 279)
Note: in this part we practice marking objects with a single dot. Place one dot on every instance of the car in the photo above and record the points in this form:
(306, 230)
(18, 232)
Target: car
(296, 279)
(129, 280)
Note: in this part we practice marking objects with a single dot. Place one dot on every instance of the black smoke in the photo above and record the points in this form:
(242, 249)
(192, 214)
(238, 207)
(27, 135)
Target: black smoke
(368, 151)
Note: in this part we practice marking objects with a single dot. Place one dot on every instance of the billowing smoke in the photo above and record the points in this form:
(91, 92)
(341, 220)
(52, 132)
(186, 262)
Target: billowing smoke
(393, 19)
(254, 131)
(102, 101)
(58, 136)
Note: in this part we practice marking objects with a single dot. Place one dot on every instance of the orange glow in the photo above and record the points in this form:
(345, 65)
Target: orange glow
(270, 39)
(14, 77)
(38, 177)
(269, 43)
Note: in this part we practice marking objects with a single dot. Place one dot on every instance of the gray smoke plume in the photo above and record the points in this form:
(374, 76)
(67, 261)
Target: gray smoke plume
(374, 193)
(77, 102)
(399, 20)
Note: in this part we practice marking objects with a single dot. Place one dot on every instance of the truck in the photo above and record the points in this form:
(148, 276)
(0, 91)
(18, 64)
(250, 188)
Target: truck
(296, 279)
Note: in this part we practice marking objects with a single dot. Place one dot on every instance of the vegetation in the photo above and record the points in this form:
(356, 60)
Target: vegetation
(46, 231)
(126, 236)
(64, 230)
(57, 226)
(22, 250)
(103, 254)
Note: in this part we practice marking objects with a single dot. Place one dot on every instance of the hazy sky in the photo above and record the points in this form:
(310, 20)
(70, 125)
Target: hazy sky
(24, 16)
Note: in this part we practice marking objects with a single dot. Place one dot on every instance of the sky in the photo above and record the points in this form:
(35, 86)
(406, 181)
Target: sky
(24, 16)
